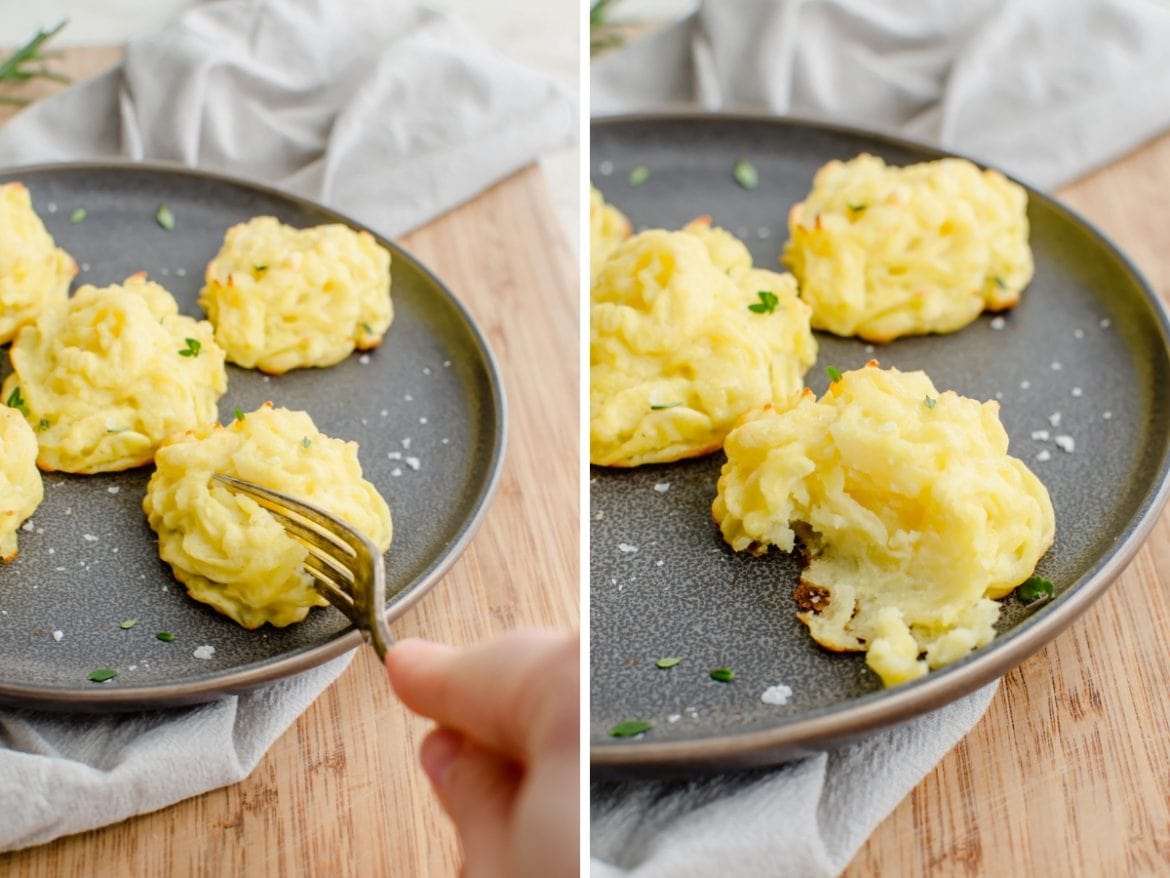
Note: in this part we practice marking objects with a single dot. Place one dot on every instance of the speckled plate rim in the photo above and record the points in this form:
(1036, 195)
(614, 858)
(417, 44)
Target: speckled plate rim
(238, 680)
(843, 723)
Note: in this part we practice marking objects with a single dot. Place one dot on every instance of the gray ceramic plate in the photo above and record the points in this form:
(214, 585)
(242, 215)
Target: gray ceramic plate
(1086, 349)
(429, 396)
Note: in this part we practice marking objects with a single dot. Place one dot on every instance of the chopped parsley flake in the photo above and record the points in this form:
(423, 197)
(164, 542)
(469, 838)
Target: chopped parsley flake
(238, 413)
(78, 216)
(165, 636)
(630, 728)
(127, 624)
(306, 442)
(15, 401)
(369, 330)
(659, 406)
(723, 675)
(192, 348)
(745, 174)
(164, 217)
(834, 373)
(259, 268)
(638, 175)
(44, 424)
(669, 661)
(103, 674)
(767, 303)
(999, 283)
(1034, 590)
(857, 208)
(929, 401)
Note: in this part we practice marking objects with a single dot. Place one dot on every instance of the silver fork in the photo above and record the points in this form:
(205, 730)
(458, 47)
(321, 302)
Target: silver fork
(346, 566)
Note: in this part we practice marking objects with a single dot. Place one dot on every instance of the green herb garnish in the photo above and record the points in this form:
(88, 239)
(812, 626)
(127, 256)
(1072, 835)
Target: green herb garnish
(857, 208)
(165, 636)
(164, 217)
(78, 216)
(659, 406)
(745, 174)
(999, 283)
(15, 401)
(103, 674)
(369, 329)
(723, 675)
(767, 303)
(305, 443)
(18, 68)
(44, 424)
(638, 175)
(630, 728)
(259, 268)
(669, 661)
(834, 373)
(192, 348)
(1034, 590)
(238, 413)
(127, 624)
(929, 401)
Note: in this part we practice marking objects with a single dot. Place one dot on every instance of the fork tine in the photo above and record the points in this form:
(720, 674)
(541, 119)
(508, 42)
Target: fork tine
(355, 584)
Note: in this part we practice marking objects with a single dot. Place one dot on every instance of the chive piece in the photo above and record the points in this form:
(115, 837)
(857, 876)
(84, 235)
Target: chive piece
(259, 268)
(165, 636)
(368, 329)
(192, 348)
(669, 661)
(305, 442)
(630, 728)
(238, 413)
(929, 401)
(723, 675)
(834, 373)
(659, 406)
(767, 303)
(164, 217)
(639, 175)
(44, 425)
(857, 208)
(1034, 590)
(127, 624)
(103, 674)
(15, 401)
(745, 174)
(78, 216)
(999, 283)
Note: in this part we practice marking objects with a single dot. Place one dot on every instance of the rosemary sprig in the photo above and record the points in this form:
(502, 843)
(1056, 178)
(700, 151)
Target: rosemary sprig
(29, 62)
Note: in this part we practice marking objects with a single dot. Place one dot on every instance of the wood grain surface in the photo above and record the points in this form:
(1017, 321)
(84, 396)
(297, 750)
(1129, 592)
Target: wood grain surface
(341, 793)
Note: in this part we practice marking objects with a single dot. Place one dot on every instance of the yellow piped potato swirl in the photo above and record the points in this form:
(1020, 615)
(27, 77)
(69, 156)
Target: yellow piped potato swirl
(34, 272)
(21, 489)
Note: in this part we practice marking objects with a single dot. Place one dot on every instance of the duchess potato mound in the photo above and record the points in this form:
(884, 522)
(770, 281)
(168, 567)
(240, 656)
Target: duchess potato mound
(110, 376)
(608, 227)
(21, 490)
(228, 550)
(282, 298)
(680, 347)
(913, 515)
(34, 272)
(881, 252)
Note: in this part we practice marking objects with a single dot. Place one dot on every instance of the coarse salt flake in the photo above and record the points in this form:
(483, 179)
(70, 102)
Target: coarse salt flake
(1105, 323)
(204, 652)
(674, 717)
(998, 323)
(1041, 435)
(57, 635)
(627, 548)
(1054, 419)
(659, 562)
(1056, 367)
(1078, 333)
(113, 489)
(397, 471)
(364, 359)
(413, 462)
(1065, 443)
(662, 487)
(1043, 455)
(406, 443)
(778, 694)
(598, 515)
(394, 455)
(1107, 415)
(1076, 391)
(89, 538)
(28, 526)
(1025, 384)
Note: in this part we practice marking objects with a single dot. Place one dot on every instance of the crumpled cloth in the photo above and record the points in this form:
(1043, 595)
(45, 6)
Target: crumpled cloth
(1046, 91)
(390, 112)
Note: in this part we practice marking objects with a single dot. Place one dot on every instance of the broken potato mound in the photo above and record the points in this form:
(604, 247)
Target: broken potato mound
(913, 516)
(104, 380)
(608, 227)
(21, 489)
(34, 272)
(282, 298)
(882, 252)
(685, 336)
(228, 550)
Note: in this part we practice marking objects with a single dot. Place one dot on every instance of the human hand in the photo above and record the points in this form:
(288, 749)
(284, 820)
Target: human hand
(504, 761)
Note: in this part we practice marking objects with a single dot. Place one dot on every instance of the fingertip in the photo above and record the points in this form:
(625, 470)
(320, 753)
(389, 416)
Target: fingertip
(437, 753)
(411, 654)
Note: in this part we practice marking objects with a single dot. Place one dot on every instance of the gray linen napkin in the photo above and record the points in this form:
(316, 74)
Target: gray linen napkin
(388, 111)
(1043, 90)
